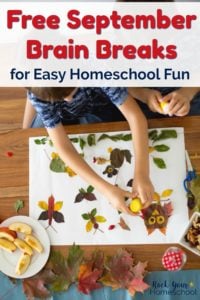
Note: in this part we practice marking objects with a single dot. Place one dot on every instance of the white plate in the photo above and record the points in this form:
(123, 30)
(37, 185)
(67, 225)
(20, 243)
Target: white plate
(8, 261)
(182, 241)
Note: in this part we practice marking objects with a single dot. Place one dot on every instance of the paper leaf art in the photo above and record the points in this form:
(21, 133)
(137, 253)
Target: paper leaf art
(84, 216)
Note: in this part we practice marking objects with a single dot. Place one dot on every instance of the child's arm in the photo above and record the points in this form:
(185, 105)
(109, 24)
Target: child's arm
(179, 100)
(149, 96)
(72, 158)
(138, 125)
(29, 115)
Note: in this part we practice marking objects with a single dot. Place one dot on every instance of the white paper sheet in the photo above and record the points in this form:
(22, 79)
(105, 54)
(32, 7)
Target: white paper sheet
(45, 182)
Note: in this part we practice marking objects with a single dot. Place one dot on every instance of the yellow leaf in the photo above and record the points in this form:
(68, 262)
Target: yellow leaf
(100, 219)
(43, 205)
(151, 149)
(70, 172)
(109, 149)
(58, 205)
(54, 155)
(166, 193)
(156, 197)
(89, 226)
(84, 270)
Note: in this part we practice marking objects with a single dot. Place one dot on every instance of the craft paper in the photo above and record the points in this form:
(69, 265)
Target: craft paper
(72, 211)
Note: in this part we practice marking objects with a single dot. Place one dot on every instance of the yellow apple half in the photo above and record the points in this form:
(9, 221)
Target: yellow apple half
(8, 234)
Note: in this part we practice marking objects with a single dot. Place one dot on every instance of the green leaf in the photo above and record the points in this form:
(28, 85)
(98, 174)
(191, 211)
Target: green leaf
(166, 134)
(74, 260)
(43, 141)
(74, 140)
(161, 148)
(103, 137)
(90, 189)
(57, 165)
(50, 143)
(37, 141)
(91, 139)
(93, 212)
(116, 158)
(85, 216)
(153, 134)
(127, 137)
(127, 155)
(19, 204)
(82, 143)
(82, 191)
(159, 162)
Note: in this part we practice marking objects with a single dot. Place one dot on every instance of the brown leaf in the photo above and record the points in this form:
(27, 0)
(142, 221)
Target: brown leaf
(116, 158)
(90, 196)
(123, 224)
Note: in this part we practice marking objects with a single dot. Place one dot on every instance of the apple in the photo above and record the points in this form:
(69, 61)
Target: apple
(8, 234)
(23, 246)
(135, 205)
(22, 263)
(7, 245)
(164, 106)
(34, 243)
(21, 227)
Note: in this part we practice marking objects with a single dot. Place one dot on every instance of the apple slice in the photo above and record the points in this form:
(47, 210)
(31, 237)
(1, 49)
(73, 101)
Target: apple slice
(23, 246)
(23, 263)
(21, 227)
(34, 243)
(7, 245)
(8, 234)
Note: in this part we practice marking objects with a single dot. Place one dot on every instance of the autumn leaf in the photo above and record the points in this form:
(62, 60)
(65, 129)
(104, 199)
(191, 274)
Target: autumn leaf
(108, 280)
(120, 266)
(57, 165)
(19, 204)
(166, 193)
(168, 208)
(137, 285)
(156, 197)
(90, 196)
(139, 269)
(79, 198)
(87, 279)
(89, 226)
(127, 155)
(116, 158)
(123, 224)
(43, 205)
(35, 287)
(100, 219)
(58, 217)
(58, 205)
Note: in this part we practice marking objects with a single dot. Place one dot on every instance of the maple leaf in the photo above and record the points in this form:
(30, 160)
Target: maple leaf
(139, 269)
(168, 209)
(87, 279)
(74, 260)
(137, 285)
(35, 287)
(120, 266)
(108, 280)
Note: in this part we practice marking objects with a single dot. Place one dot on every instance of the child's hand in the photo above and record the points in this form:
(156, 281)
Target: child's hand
(153, 101)
(179, 103)
(143, 188)
(116, 197)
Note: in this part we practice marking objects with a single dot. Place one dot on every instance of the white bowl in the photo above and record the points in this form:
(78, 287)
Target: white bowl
(183, 242)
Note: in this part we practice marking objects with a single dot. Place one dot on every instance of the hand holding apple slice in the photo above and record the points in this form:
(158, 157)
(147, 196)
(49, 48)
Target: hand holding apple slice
(7, 245)
(22, 264)
(21, 227)
(8, 234)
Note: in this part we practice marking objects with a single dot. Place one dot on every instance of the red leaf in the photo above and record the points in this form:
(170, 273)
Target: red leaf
(168, 208)
(9, 154)
(111, 227)
(139, 269)
(137, 285)
(87, 279)
(120, 266)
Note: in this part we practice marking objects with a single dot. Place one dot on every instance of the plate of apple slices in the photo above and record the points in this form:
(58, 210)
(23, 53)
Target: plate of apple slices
(24, 247)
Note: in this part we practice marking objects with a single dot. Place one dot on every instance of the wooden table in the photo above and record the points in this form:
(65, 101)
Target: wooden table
(14, 176)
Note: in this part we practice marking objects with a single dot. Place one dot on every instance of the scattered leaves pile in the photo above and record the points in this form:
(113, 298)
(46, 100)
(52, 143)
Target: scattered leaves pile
(116, 271)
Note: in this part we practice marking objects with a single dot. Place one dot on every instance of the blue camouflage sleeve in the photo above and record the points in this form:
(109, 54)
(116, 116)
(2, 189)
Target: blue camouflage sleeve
(116, 95)
(46, 110)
